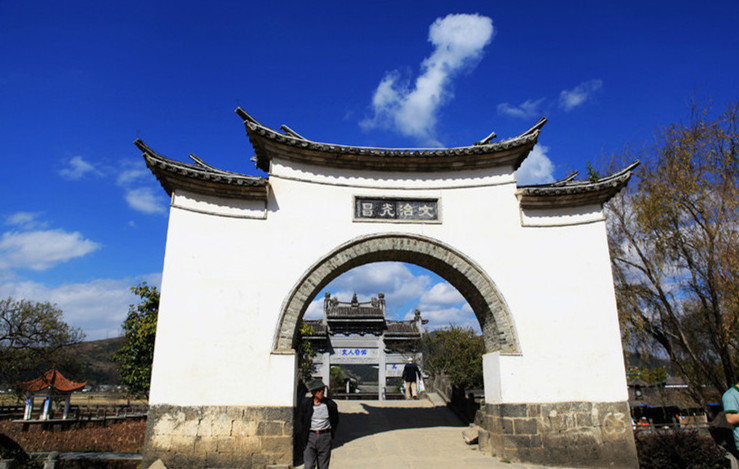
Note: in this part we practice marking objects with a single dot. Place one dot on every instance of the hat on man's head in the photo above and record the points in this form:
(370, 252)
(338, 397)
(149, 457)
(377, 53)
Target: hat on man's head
(315, 384)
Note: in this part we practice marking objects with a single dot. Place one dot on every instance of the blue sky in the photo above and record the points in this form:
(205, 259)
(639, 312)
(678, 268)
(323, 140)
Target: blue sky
(82, 219)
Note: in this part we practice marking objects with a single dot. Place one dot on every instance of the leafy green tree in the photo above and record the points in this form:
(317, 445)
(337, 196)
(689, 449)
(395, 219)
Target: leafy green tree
(593, 174)
(674, 242)
(654, 375)
(135, 357)
(457, 352)
(305, 351)
(33, 337)
(337, 378)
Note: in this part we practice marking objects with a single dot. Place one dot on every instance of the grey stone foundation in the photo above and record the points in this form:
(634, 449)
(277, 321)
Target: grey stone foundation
(219, 437)
(572, 434)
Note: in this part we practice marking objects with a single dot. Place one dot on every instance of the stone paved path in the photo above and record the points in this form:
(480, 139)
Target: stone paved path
(421, 434)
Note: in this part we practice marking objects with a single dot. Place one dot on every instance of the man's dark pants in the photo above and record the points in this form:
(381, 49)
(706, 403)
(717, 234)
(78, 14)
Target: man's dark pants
(318, 450)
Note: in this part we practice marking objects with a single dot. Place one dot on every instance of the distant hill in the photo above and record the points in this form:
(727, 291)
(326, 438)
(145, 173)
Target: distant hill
(96, 361)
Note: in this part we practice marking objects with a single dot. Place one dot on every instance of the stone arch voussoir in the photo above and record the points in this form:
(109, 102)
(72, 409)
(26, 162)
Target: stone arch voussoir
(464, 274)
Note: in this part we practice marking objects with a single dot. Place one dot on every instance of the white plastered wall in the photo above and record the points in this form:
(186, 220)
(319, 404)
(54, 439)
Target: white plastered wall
(565, 311)
(226, 276)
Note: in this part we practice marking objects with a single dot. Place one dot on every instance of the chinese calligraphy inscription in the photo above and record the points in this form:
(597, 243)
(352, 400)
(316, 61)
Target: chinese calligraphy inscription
(397, 209)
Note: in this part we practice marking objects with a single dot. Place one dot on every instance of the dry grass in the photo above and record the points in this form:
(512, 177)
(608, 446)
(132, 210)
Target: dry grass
(116, 437)
(90, 398)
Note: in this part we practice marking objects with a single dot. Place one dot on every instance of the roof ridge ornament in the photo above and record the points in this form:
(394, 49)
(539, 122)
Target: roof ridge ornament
(567, 179)
(292, 133)
(539, 124)
(487, 139)
(205, 165)
(627, 169)
(245, 116)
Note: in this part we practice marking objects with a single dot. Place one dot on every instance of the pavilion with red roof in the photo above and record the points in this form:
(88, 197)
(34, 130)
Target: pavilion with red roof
(50, 384)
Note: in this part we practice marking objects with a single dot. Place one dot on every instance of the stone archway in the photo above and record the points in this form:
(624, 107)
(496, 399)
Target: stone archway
(459, 270)
(235, 268)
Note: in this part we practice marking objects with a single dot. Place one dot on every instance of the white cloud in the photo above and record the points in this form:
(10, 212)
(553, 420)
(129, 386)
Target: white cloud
(144, 200)
(315, 309)
(394, 279)
(25, 220)
(76, 168)
(537, 168)
(43, 249)
(458, 44)
(139, 195)
(528, 108)
(457, 316)
(130, 176)
(98, 307)
(441, 294)
(443, 305)
(135, 180)
(570, 99)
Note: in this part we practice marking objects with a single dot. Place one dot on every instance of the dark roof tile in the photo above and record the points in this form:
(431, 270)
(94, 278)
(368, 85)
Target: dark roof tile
(202, 178)
(570, 193)
(269, 143)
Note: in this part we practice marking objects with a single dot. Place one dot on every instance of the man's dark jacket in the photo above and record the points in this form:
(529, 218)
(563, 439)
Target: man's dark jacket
(306, 413)
(411, 373)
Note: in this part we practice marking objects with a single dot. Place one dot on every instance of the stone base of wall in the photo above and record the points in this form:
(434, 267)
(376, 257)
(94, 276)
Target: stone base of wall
(572, 434)
(219, 437)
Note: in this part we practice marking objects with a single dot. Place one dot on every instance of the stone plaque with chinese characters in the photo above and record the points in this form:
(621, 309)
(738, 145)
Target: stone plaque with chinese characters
(396, 209)
(358, 355)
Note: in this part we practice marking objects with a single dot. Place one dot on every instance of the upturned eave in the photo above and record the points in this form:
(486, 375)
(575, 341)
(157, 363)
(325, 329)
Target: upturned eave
(53, 381)
(570, 193)
(202, 178)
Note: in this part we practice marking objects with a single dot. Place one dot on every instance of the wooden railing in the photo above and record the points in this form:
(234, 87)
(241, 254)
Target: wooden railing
(81, 415)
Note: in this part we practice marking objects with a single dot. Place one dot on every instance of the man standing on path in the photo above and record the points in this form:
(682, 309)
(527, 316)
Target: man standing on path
(411, 374)
(319, 418)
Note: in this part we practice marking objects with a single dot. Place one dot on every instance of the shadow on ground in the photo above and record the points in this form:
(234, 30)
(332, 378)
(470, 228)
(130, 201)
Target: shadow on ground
(363, 419)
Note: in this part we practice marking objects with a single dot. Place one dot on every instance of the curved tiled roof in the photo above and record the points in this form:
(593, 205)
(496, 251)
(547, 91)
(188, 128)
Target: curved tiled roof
(394, 330)
(402, 329)
(319, 328)
(52, 379)
(359, 312)
(269, 143)
(570, 193)
(202, 178)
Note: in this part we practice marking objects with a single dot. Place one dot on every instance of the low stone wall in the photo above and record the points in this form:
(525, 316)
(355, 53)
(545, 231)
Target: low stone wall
(572, 434)
(441, 385)
(219, 437)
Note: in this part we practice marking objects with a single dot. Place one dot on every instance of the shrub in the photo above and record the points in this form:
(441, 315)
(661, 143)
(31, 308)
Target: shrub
(457, 352)
(680, 449)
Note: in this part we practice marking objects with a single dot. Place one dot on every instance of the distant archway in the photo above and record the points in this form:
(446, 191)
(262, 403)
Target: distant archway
(459, 270)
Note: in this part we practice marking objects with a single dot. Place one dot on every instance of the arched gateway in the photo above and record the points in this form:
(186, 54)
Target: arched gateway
(246, 254)
(469, 279)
